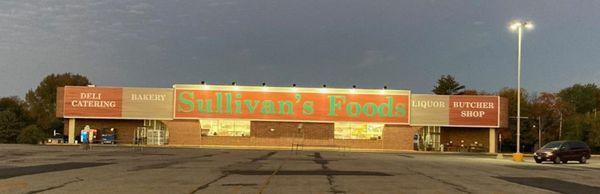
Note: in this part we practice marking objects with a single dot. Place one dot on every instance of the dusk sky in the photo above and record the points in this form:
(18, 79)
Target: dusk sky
(401, 44)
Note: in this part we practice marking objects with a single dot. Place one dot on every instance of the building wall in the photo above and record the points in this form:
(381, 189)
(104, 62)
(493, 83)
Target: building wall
(184, 132)
(398, 137)
(262, 129)
(469, 135)
(285, 134)
(125, 129)
(188, 132)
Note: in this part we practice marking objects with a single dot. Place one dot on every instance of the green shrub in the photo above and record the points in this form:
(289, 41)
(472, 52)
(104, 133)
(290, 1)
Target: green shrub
(31, 135)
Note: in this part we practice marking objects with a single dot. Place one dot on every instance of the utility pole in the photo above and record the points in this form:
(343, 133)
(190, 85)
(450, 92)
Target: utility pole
(560, 126)
(539, 131)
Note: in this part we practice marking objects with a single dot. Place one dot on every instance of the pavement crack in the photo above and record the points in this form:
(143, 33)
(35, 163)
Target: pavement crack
(330, 178)
(77, 179)
(170, 163)
(455, 186)
(263, 157)
(264, 186)
(225, 173)
(204, 186)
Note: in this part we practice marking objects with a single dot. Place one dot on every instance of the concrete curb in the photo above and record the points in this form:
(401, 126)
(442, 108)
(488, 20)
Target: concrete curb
(306, 148)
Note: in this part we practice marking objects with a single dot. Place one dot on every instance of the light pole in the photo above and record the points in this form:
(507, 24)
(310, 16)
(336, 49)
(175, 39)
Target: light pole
(518, 26)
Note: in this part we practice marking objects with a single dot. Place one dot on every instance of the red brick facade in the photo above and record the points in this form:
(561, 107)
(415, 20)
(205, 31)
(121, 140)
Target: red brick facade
(284, 134)
(124, 129)
(262, 129)
(183, 132)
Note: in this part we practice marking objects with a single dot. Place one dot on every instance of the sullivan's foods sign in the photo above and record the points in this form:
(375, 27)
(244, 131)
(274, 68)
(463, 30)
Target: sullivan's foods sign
(115, 102)
(458, 110)
(291, 104)
(282, 104)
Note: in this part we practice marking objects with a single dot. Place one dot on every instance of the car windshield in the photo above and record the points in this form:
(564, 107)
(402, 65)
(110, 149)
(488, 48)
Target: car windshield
(552, 145)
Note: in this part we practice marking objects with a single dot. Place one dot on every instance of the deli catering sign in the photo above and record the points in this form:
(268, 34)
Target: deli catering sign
(108, 102)
(459, 110)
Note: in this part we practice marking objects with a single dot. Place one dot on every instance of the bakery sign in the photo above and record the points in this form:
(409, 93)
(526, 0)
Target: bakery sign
(109, 102)
(455, 110)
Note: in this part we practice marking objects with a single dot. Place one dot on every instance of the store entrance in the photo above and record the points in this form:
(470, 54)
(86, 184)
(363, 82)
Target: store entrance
(152, 133)
(430, 138)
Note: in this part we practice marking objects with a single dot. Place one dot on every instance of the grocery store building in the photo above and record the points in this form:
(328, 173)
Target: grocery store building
(192, 115)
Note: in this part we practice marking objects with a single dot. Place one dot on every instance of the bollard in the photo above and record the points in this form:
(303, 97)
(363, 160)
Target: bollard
(518, 157)
(499, 156)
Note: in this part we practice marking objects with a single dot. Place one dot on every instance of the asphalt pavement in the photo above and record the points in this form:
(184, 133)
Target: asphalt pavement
(106, 169)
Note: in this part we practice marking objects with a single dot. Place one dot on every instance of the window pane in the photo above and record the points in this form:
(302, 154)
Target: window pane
(375, 131)
(342, 130)
(359, 131)
(227, 128)
(242, 128)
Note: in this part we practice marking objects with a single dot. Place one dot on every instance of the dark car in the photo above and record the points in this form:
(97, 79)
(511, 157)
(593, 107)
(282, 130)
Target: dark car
(563, 151)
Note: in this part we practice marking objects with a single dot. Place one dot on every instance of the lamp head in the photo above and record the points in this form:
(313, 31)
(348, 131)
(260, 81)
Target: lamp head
(529, 25)
(515, 25)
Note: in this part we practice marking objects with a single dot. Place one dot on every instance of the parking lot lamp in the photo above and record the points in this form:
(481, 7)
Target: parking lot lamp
(518, 26)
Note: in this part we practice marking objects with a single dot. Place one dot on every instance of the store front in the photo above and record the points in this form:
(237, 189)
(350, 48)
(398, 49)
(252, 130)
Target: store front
(280, 116)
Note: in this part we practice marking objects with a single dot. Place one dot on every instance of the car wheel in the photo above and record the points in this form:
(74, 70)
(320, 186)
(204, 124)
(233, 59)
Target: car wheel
(583, 160)
(557, 160)
(538, 161)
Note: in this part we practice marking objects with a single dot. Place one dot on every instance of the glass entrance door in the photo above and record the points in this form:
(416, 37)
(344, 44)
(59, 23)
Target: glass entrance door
(430, 136)
(156, 132)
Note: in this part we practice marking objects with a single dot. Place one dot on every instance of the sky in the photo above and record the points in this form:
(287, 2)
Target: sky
(401, 44)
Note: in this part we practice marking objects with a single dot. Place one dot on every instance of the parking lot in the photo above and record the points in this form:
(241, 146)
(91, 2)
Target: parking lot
(109, 169)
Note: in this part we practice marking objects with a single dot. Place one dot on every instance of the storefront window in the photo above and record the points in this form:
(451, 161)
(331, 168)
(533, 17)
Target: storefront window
(431, 138)
(347, 130)
(226, 127)
(342, 131)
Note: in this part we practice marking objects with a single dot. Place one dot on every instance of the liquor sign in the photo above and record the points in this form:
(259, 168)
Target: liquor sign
(291, 104)
(456, 110)
(114, 102)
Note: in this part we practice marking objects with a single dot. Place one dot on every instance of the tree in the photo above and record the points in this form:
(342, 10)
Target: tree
(31, 135)
(510, 134)
(548, 108)
(10, 127)
(42, 100)
(594, 135)
(583, 98)
(13, 117)
(16, 105)
(473, 92)
(447, 85)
